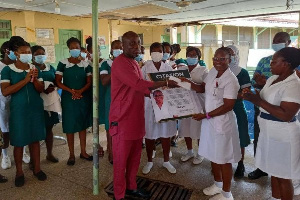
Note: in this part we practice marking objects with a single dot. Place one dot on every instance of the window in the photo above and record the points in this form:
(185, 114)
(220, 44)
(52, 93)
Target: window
(5, 30)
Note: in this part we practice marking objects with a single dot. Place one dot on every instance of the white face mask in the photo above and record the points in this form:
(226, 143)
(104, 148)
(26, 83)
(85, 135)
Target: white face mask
(156, 56)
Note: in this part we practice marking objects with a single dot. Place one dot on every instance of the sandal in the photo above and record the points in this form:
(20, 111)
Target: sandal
(3, 179)
(100, 151)
(90, 158)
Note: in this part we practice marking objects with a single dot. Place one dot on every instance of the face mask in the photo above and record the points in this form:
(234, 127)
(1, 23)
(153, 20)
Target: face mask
(156, 56)
(12, 55)
(139, 57)
(75, 53)
(166, 56)
(192, 61)
(25, 58)
(117, 52)
(83, 55)
(40, 59)
(277, 47)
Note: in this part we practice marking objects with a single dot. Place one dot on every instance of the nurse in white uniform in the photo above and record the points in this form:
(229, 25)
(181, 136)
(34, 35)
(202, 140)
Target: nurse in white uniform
(278, 148)
(190, 128)
(164, 130)
(219, 140)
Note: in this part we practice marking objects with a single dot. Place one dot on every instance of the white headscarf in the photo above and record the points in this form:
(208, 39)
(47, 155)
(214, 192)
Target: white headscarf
(234, 64)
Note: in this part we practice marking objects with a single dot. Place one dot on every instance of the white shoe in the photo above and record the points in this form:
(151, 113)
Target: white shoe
(147, 168)
(221, 197)
(186, 157)
(169, 167)
(170, 154)
(212, 190)
(297, 190)
(6, 163)
(153, 154)
(26, 158)
(198, 159)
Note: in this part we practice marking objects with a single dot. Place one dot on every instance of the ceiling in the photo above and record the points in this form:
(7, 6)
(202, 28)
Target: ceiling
(164, 10)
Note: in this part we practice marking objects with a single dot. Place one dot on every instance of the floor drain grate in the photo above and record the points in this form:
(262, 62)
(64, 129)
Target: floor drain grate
(159, 190)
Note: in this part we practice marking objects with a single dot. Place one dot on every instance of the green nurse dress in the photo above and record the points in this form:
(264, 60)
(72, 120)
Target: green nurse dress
(105, 68)
(240, 111)
(26, 121)
(76, 114)
(48, 74)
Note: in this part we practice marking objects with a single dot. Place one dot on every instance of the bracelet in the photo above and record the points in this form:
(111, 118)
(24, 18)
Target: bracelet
(207, 116)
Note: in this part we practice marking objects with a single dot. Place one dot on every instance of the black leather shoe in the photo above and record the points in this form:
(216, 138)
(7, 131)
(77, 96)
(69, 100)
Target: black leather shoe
(240, 170)
(71, 161)
(256, 174)
(90, 158)
(139, 193)
(41, 176)
(3, 179)
(19, 181)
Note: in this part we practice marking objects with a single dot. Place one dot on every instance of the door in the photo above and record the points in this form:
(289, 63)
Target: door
(62, 51)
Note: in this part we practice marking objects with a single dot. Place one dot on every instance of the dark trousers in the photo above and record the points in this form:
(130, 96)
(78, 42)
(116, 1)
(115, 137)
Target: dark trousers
(256, 127)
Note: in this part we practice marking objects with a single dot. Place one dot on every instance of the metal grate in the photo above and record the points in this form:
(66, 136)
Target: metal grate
(159, 190)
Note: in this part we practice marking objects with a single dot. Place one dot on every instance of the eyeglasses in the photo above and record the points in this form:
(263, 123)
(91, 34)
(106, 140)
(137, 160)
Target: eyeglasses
(219, 59)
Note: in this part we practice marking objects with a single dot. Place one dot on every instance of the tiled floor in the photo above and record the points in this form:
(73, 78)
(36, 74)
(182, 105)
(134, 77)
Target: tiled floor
(75, 182)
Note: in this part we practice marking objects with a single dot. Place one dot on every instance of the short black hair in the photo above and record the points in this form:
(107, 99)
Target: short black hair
(290, 55)
(4, 47)
(190, 48)
(71, 40)
(82, 48)
(12, 42)
(225, 49)
(284, 35)
(89, 42)
(176, 48)
(35, 48)
(156, 45)
(21, 44)
(115, 42)
(167, 44)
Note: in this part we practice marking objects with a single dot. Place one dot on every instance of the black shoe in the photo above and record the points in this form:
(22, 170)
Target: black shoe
(41, 176)
(3, 179)
(256, 174)
(139, 193)
(19, 181)
(240, 170)
(52, 159)
(71, 161)
(173, 144)
(90, 158)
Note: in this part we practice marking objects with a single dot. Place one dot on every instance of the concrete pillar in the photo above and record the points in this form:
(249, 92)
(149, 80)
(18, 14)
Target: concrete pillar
(219, 33)
(254, 37)
(173, 35)
(191, 31)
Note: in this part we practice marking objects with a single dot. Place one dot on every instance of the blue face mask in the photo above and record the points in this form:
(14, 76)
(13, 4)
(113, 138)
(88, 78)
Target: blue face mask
(117, 52)
(75, 53)
(192, 61)
(25, 58)
(166, 56)
(139, 57)
(277, 47)
(12, 55)
(40, 59)
(83, 55)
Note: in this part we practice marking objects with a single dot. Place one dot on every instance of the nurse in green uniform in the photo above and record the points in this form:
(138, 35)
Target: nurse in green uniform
(105, 70)
(239, 109)
(74, 77)
(23, 82)
(48, 74)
